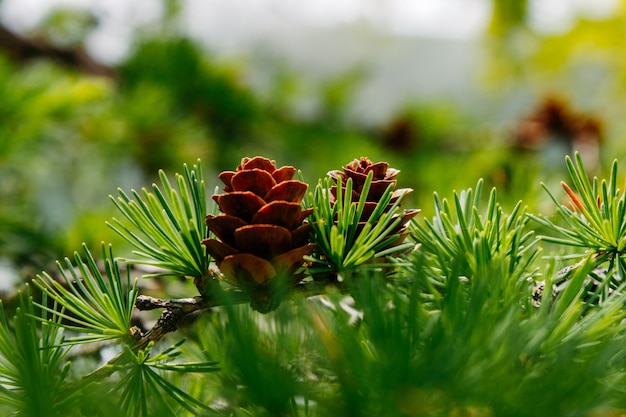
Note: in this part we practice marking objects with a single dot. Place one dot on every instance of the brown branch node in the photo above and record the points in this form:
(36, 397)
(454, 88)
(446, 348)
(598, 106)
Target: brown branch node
(174, 312)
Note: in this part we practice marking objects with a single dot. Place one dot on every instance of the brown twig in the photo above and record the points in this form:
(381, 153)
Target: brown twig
(23, 49)
(173, 314)
(176, 310)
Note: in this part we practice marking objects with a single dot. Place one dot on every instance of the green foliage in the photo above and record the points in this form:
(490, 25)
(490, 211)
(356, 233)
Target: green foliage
(595, 225)
(596, 219)
(258, 355)
(42, 201)
(168, 224)
(182, 67)
(473, 322)
(98, 307)
(464, 243)
(32, 367)
(391, 355)
(460, 328)
(145, 392)
(508, 15)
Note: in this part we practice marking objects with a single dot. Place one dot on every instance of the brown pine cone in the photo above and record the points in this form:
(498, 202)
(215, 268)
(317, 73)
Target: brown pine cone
(261, 235)
(383, 177)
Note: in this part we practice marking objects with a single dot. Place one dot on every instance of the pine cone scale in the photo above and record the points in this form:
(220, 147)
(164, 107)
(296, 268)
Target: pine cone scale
(291, 190)
(224, 226)
(255, 180)
(242, 204)
(263, 240)
(280, 213)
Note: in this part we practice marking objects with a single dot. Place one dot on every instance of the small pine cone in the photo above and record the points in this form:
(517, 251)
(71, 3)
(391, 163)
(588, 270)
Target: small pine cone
(261, 235)
(383, 177)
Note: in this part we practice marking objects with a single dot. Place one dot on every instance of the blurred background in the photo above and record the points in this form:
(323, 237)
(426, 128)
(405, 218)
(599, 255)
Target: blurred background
(100, 94)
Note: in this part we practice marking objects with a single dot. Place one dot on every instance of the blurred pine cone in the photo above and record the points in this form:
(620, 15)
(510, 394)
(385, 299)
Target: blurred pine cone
(261, 235)
(383, 177)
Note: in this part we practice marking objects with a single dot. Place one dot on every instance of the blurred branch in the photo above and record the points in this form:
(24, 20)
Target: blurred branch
(175, 310)
(22, 49)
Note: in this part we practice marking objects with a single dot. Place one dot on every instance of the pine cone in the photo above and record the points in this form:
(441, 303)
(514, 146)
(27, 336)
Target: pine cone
(383, 176)
(261, 234)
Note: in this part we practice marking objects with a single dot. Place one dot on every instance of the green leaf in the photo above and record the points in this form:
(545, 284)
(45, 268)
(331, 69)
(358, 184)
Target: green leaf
(596, 224)
(463, 241)
(32, 367)
(145, 388)
(167, 226)
(96, 304)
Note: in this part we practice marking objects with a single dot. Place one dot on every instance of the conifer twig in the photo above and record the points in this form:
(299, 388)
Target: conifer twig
(175, 311)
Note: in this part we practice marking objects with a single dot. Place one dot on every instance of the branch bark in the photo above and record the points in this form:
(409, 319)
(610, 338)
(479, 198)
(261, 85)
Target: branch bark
(174, 312)
(22, 49)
